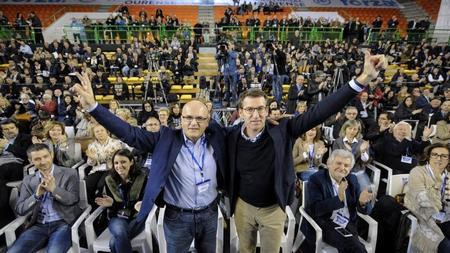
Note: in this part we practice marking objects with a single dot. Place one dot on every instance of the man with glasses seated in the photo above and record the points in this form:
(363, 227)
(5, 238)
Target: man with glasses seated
(188, 169)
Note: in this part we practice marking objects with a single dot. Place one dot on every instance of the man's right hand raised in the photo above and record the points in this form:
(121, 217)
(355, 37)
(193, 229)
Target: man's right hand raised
(84, 91)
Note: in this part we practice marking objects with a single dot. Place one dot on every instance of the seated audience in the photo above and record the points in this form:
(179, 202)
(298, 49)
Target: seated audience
(333, 200)
(62, 147)
(13, 157)
(124, 185)
(427, 197)
(398, 150)
(51, 195)
(307, 152)
(99, 154)
(350, 139)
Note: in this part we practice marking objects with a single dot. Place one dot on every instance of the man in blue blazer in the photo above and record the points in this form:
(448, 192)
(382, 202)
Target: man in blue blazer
(333, 198)
(188, 169)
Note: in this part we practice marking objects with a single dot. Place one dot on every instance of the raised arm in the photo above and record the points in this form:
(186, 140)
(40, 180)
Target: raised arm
(133, 136)
(338, 100)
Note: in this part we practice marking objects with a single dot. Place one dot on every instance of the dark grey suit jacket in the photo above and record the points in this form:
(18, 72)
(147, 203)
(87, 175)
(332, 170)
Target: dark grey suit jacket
(65, 195)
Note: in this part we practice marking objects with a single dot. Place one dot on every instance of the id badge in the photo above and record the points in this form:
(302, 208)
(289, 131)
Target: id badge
(148, 163)
(203, 186)
(406, 159)
(440, 217)
(341, 220)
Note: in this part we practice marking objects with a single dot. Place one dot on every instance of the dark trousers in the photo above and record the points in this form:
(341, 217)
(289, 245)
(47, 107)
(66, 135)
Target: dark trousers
(8, 172)
(94, 186)
(444, 246)
(343, 244)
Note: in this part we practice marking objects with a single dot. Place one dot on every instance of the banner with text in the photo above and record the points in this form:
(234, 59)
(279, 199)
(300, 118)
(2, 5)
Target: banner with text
(298, 3)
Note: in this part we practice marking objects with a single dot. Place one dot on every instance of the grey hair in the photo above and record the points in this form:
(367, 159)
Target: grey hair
(403, 123)
(341, 153)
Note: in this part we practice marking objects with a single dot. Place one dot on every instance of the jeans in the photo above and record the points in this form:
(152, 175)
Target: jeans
(277, 86)
(55, 235)
(231, 86)
(122, 233)
(180, 228)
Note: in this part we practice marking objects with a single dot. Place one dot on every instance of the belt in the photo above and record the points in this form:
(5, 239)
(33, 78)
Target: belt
(194, 210)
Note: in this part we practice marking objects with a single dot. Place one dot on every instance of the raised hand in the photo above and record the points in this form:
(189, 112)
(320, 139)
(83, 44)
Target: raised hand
(372, 66)
(84, 91)
(342, 187)
(365, 197)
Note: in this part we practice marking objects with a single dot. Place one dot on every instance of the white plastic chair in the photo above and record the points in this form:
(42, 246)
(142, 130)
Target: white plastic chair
(388, 170)
(162, 239)
(375, 177)
(328, 133)
(323, 247)
(10, 229)
(142, 242)
(287, 238)
(397, 184)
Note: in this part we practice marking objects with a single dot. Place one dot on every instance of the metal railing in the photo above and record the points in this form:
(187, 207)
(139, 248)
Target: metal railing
(99, 33)
(25, 33)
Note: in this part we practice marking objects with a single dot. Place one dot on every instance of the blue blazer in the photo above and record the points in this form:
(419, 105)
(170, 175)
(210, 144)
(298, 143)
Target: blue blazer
(321, 200)
(283, 137)
(165, 146)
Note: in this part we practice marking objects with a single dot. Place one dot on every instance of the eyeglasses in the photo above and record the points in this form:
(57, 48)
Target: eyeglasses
(442, 156)
(189, 119)
(251, 110)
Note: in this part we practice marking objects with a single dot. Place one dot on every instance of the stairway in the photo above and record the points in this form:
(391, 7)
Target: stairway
(412, 10)
(206, 16)
(207, 62)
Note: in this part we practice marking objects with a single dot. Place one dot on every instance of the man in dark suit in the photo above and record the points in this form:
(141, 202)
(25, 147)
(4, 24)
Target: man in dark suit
(188, 170)
(441, 114)
(51, 195)
(333, 199)
(261, 179)
(13, 153)
(297, 92)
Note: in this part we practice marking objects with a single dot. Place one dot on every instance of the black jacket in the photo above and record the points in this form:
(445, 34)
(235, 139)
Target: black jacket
(284, 136)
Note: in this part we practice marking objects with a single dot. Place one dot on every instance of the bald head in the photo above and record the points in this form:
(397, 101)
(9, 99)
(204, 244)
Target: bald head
(195, 105)
(194, 119)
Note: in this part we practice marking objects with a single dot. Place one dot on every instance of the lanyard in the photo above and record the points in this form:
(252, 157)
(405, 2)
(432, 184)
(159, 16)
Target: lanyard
(195, 159)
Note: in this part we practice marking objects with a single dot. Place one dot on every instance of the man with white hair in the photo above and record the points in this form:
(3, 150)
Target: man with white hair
(333, 199)
(399, 150)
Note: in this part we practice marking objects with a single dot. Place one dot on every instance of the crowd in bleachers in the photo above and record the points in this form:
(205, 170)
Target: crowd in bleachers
(392, 121)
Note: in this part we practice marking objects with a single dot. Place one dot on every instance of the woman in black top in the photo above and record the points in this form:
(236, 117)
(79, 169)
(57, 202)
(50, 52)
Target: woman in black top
(408, 111)
(148, 110)
(124, 187)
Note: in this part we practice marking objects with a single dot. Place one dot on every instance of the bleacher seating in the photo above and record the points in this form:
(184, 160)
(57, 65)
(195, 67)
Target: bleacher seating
(46, 13)
(220, 10)
(367, 15)
(186, 14)
(431, 7)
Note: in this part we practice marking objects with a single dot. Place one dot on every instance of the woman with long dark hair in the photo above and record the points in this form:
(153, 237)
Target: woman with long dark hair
(124, 185)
